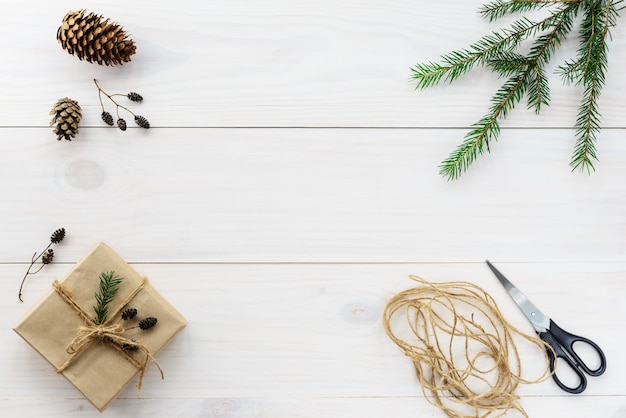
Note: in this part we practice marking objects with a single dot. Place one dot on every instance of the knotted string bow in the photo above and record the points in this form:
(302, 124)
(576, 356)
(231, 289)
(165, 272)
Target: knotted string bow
(107, 332)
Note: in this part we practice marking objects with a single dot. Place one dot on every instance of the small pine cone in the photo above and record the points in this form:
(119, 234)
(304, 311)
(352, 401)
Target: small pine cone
(107, 118)
(143, 122)
(57, 236)
(134, 97)
(67, 115)
(129, 313)
(147, 323)
(95, 39)
(121, 123)
(47, 257)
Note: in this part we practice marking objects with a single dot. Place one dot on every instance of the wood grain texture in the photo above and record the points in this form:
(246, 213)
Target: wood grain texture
(284, 195)
(287, 188)
(311, 335)
(277, 63)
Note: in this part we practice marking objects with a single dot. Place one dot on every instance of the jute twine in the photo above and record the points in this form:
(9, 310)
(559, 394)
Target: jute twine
(108, 332)
(461, 346)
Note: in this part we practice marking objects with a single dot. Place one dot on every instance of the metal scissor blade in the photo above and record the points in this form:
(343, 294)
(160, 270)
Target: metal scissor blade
(540, 321)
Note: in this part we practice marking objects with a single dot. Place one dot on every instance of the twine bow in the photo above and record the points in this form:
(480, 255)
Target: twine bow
(108, 333)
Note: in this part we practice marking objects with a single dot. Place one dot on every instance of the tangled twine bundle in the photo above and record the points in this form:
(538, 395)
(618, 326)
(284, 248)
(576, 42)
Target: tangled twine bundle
(462, 348)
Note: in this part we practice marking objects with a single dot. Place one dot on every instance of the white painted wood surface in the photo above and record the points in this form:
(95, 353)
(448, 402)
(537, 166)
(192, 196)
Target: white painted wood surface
(287, 189)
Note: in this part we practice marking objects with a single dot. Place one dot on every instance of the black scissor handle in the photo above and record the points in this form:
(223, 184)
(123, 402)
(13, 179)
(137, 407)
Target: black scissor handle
(562, 342)
(567, 340)
(560, 353)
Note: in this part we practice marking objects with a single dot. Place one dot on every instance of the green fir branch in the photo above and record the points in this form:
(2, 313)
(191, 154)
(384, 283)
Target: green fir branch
(500, 8)
(538, 89)
(508, 63)
(570, 71)
(591, 65)
(485, 130)
(528, 75)
(526, 72)
(540, 54)
(457, 63)
(109, 283)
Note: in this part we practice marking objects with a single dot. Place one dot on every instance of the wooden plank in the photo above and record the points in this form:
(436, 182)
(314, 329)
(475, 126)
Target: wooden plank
(277, 63)
(313, 334)
(208, 407)
(292, 195)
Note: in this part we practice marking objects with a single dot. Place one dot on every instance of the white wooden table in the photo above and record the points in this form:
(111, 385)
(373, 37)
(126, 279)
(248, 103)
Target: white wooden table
(286, 190)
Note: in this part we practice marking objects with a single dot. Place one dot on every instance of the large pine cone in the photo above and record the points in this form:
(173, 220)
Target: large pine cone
(67, 115)
(94, 39)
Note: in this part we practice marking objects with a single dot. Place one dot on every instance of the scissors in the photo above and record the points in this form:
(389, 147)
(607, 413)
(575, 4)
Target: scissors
(561, 341)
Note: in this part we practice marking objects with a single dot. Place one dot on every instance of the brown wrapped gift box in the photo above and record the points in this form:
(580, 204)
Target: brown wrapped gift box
(100, 372)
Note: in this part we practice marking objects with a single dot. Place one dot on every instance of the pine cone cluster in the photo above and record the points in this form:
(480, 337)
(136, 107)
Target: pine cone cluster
(121, 122)
(67, 115)
(95, 39)
(144, 324)
(47, 255)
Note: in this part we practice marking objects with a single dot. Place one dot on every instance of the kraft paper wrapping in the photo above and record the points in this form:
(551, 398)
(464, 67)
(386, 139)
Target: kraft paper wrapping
(99, 372)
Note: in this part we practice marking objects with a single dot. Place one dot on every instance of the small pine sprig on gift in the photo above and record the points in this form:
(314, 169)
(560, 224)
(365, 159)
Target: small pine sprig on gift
(47, 255)
(121, 123)
(526, 72)
(109, 282)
